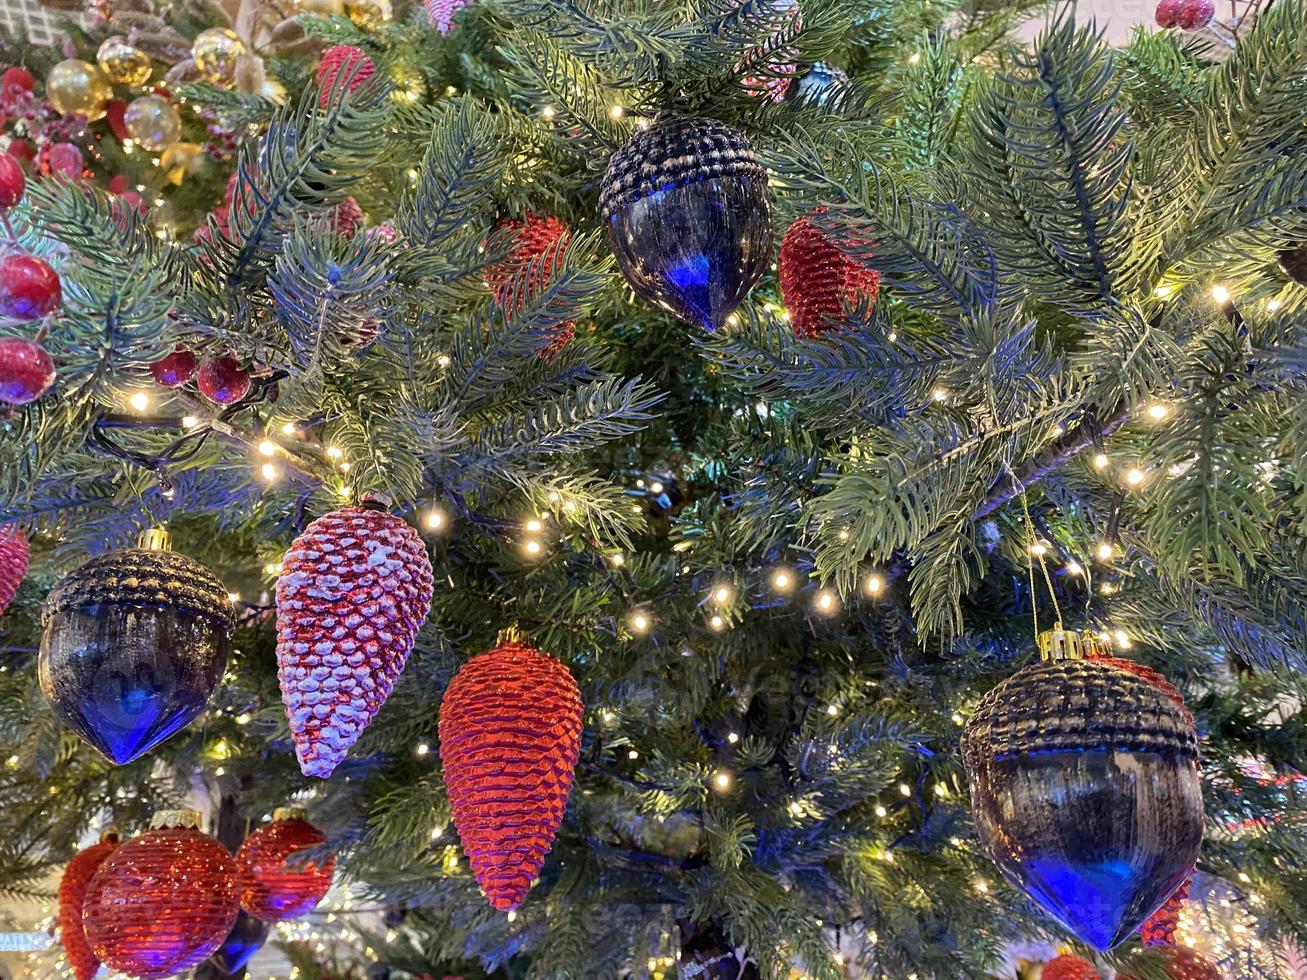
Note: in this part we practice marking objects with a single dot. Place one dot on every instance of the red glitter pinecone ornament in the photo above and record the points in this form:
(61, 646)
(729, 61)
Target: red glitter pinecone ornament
(1181, 963)
(274, 888)
(1069, 967)
(354, 590)
(537, 240)
(819, 283)
(342, 60)
(164, 901)
(510, 737)
(1159, 928)
(72, 893)
(14, 555)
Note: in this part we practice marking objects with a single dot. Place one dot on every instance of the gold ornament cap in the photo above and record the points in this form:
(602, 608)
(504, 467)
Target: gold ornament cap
(1064, 644)
(176, 818)
(154, 539)
(512, 635)
(290, 813)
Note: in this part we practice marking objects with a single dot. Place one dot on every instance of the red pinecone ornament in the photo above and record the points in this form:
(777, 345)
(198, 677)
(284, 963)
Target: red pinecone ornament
(818, 281)
(14, 554)
(1182, 963)
(510, 737)
(534, 238)
(13, 182)
(26, 371)
(164, 901)
(1069, 968)
(72, 893)
(354, 590)
(342, 60)
(272, 888)
(1159, 928)
(29, 288)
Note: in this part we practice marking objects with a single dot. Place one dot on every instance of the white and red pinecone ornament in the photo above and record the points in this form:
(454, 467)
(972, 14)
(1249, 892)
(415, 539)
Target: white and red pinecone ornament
(819, 283)
(536, 240)
(14, 555)
(354, 590)
(778, 52)
(510, 737)
(441, 13)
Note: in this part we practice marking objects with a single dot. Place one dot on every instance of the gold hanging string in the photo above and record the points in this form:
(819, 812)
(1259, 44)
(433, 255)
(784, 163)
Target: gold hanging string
(1031, 554)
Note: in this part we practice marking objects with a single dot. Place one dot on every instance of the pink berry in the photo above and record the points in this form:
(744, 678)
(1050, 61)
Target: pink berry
(223, 380)
(176, 369)
(26, 371)
(29, 288)
(1169, 13)
(12, 182)
(64, 160)
(1197, 14)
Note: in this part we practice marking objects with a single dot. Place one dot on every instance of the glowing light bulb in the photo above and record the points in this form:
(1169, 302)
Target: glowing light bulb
(1104, 551)
(434, 518)
(139, 401)
(243, 718)
(438, 831)
(334, 452)
(832, 710)
(534, 525)
(532, 547)
(633, 755)
(422, 750)
(1157, 411)
(722, 780)
(640, 622)
(1135, 476)
(957, 718)
(1221, 295)
(782, 580)
(826, 602)
(1273, 304)
(615, 111)
(880, 811)
(905, 789)
(982, 887)
(717, 623)
(269, 472)
(874, 584)
(722, 595)
(940, 394)
(1039, 549)
(267, 448)
(547, 112)
(1122, 640)
(1101, 461)
(189, 421)
(941, 790)
(1074, 568)
(289, 429)
(656, 487)
(732, 737)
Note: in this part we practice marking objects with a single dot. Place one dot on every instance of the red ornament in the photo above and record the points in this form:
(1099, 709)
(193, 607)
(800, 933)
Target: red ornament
(1069, 968)
(1169, 12)
(1197, 14)
(538, 241)
(12, 181)
(14, 555)
(354, 590)
(26, 371)
(22, 151)
(115, 113)
(1153, 677)
(510, 737)
(1159, 928)
(163, 902)
(29, 288)
(778, 52)
(223, 380)
(272, 888)
(342, 61)
(176, 369)
(819, 283)
(1180, 963)
(347, 217)
(72, 893)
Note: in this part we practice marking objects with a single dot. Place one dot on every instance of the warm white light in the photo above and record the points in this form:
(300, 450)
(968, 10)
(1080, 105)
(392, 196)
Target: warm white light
(826, 601)
(444, 360)
(617, 559)
(243, 718)
(547, 112)
(717, 623)
(1273, 304)
(1104, 550)
(189, 421)
(532, 547)
(1100, 461)
(957, 718)
(269, 471)
(640, 622)
(982, 887)
(334, 452)
(289, 429)
(782, 580)
(267, 448)
(721, 595)
(940, 394)
(233, 597)
(656, 487)
(1075, 568)
(905, 789)
(722, 780)
(615, 111)
(832, 710)
(139, 401)
(796, 808)
(914, 58)
(633, 755)
(1039, 549)
(422, 750)
(534, 526)
(1135, 476)
(880, 811)
(955, 841)
(1122, 640)
(434, 518)
(1221, 294)
(874, 584)
(1157, 411)
(732, 737)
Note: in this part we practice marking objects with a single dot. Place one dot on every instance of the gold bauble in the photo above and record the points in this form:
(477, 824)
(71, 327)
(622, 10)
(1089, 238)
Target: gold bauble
(76, 88)
(123, 64)
(369, 15)
(180, 160)
(215, 52)
(323, 8)
(153, 122)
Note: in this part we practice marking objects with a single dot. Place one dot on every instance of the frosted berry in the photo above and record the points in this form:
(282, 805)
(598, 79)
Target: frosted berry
(176, 369)
(1197, 14)
(1169, 12)
(342, 61)
(61, 160)
(819, 283)
(22, 151)
(12, 181)
(14, 555)
(26, 371)
(223, 380)
(29, 288)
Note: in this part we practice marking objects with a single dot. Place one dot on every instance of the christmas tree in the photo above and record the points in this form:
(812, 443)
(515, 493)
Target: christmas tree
(775, 373)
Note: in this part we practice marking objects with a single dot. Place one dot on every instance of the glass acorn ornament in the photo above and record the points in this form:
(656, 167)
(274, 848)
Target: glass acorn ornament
(1085, 789)
(688, 218)
(134, 644)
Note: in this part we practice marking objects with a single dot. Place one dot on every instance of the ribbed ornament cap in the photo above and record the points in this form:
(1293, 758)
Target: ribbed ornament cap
(1073, 706)
(191, 819)
(672, 153)
(150, 575)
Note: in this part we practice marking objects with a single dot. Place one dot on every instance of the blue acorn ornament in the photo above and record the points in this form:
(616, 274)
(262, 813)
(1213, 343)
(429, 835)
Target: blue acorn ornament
(134, 644)
(685, 205)
(1085, 789)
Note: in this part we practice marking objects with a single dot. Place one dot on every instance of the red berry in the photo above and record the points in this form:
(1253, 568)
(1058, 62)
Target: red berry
(118, 184)
(29, 288)
(223, 380)
(15, 83)
(176, 369)
(12, 182)
(1169, 13)
(26, 371)
(1197, 14)
(22, 151)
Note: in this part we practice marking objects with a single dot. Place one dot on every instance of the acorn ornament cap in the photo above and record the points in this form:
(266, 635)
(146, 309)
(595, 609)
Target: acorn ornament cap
(72, 894)
(510, 737)
(688, 218)
(354, 590)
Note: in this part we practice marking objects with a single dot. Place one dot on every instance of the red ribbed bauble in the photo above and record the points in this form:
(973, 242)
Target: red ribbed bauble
(164, 901)
(819, 283)
(354, 590)
(26, 371)
(176, 369)
(29, 288)
(1180, 963)
(1159, 928)
(1156, 678)
(534, 238)
(72, 893)
(14, 555)
(342, 60)
(222, 380)
(13, 182)
(510, 737)
(1069, 967)
(273, 888)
